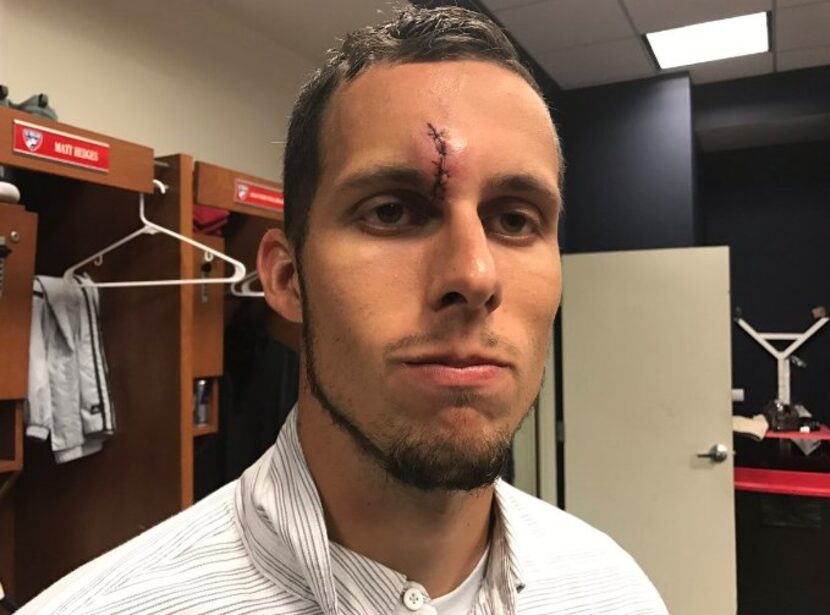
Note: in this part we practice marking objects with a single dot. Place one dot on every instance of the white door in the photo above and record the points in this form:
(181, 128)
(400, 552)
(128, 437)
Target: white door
(646, 388)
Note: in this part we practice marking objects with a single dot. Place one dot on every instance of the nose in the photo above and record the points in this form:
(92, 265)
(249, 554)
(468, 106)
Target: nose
(463, 272)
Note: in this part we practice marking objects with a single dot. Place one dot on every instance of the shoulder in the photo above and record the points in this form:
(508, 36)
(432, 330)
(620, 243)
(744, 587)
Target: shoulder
(530, 516)
(565, 559)
(168, 568)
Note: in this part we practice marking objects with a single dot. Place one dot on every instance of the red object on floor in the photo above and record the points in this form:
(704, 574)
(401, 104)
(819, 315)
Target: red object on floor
(821, 434)
(787, 482)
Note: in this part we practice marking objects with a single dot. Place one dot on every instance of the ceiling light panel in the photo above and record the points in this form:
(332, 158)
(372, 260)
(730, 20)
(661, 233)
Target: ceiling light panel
(713, 40)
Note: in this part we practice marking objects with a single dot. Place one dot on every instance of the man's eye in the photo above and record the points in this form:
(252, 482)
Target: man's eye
(512, 223)
(390, 213)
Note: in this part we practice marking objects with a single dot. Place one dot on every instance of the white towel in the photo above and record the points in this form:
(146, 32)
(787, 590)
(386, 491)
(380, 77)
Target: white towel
(68, 380)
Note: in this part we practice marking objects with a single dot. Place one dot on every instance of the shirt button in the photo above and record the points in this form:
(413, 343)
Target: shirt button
(413, 599)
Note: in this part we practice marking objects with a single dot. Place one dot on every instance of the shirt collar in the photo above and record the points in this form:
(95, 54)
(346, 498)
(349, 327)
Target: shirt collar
(505, 575)
(280, 519)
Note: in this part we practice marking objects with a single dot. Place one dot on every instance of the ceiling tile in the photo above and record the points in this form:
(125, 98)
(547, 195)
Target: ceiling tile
(606, 62)
(556, 24)
(802, 26)
(732, 68)
(656, 15)
(803, 58)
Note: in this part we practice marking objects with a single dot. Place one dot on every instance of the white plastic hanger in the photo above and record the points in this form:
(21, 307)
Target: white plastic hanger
(243, 287)
(151, 228)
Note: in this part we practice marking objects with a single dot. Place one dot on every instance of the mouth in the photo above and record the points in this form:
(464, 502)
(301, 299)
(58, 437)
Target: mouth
(456, 370)
(456, 361)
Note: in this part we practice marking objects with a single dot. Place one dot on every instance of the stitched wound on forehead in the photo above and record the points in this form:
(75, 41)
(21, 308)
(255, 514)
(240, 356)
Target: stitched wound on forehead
(439, 186)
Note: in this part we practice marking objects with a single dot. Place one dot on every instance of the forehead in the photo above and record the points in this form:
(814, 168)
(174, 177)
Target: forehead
(490, 116)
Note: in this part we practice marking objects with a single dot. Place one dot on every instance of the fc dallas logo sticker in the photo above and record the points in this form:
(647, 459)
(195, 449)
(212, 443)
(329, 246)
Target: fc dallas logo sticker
(241, 191)
(32, 138)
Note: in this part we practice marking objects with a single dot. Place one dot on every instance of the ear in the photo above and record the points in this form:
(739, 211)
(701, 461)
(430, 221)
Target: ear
(279, 276)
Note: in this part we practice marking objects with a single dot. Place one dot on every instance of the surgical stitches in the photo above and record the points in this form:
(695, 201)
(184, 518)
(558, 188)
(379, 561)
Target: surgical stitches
(439, 187)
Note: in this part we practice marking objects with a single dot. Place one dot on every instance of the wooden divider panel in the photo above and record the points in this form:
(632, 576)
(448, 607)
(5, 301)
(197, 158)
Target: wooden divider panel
(11, 436)
(208, 311)
(18, 238)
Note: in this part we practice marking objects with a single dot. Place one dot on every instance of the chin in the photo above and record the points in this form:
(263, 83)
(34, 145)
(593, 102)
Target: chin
(464, 422)
(462, 419)
(454, 455)
(433, 402)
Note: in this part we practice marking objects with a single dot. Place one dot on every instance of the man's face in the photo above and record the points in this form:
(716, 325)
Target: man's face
(431, 271)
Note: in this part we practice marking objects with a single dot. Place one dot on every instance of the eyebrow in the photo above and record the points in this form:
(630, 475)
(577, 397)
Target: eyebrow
(525, 183)
(399, 175)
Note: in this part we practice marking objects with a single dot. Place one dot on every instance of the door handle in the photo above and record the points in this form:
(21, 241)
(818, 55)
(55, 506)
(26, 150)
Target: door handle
(718, 453)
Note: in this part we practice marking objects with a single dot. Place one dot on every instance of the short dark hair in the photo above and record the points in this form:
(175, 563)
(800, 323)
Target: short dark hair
(414, 35)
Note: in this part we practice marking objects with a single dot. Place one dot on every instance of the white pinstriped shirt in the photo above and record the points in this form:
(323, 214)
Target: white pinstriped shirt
(259, 545)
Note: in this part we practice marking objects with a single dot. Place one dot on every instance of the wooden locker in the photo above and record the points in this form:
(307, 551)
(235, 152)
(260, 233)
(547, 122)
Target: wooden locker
(18, 238)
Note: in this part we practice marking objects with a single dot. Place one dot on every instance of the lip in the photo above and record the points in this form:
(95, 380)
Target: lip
(451, 370)
(457, 360)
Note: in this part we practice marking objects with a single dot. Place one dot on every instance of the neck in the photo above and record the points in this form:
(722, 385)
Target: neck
(434, 538)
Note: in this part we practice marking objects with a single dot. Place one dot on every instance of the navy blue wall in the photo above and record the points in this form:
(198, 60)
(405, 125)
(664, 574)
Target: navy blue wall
(630, 177)
(771, 206)
(775, 108)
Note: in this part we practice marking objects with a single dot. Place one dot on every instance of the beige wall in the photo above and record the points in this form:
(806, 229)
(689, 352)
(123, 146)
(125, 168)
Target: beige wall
(171, 74)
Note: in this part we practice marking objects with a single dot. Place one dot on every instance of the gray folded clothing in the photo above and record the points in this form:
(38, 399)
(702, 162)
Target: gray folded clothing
(68, 397)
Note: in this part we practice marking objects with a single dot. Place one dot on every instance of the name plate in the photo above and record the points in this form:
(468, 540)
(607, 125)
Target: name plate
(41, 142)
(248, 193)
